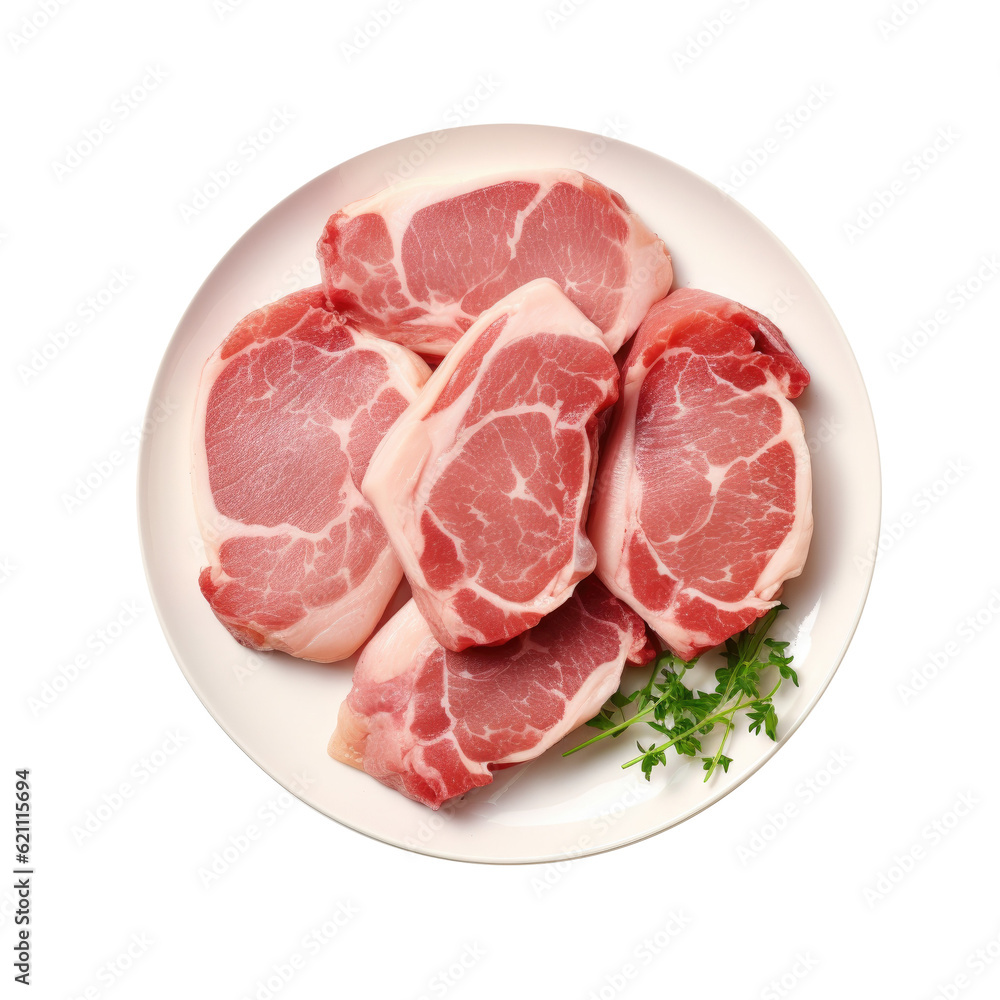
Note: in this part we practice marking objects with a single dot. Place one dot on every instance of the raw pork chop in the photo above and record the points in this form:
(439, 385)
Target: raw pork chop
(419, 261)
(484, 482)
(703, 502)
(433, 724)
(289, 411)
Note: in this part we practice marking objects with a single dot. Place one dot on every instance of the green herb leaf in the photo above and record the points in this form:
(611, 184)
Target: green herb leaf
(601, 722)
(667, 706)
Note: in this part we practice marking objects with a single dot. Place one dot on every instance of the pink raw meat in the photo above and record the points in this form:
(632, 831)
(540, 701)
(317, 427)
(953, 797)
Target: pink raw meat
(434, 724)
(483, 484)
(419, 261)
(703, 503)
(289, 411)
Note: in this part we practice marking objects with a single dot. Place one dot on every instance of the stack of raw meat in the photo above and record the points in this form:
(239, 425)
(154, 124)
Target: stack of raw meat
(545, 501)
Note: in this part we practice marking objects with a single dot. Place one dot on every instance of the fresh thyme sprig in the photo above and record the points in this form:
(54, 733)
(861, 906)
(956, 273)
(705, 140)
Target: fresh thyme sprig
(693, 713)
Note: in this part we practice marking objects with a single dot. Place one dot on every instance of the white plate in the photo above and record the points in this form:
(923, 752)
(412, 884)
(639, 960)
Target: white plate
(281, 711)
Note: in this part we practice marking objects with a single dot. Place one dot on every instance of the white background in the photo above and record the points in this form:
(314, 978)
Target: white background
(878, 861)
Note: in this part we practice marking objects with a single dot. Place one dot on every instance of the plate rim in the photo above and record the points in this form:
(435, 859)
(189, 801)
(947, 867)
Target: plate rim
(145, 533)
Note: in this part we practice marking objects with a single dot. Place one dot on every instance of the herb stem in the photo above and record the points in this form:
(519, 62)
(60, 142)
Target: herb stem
(632, 720)
(615, 730)
(708, 720)
(721, 713)
(695, 713)
(730, 726)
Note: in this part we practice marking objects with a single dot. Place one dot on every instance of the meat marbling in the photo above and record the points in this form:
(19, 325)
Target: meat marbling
(290, 409)
(702, 507)
(419, 261)
(433, 724)
(483, 484)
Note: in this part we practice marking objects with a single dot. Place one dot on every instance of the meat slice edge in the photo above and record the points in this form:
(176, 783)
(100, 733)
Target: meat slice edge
(703, 502)
(434, 724)
(419, 261)
(289, 410)
(483, 484)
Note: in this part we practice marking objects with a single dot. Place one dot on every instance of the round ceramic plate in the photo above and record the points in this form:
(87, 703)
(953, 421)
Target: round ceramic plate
(281, 711)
